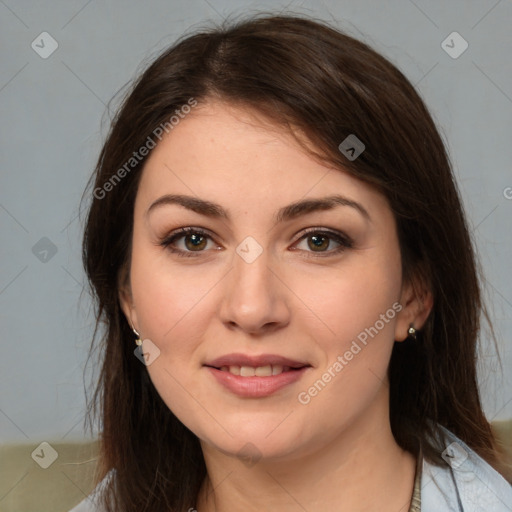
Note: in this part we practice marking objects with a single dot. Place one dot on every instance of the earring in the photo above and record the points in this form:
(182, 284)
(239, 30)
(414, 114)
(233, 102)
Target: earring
(138, 341)
(412, 332)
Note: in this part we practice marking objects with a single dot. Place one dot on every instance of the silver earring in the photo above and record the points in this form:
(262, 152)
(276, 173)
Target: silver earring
(412, 332)
(138, 341)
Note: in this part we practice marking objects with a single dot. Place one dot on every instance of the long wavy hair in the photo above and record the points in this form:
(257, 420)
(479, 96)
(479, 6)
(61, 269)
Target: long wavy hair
(305, 75)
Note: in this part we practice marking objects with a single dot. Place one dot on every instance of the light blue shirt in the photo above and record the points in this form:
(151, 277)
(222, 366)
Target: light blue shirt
(468, 484)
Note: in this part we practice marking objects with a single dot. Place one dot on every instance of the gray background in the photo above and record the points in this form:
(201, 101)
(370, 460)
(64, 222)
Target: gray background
(53, 118)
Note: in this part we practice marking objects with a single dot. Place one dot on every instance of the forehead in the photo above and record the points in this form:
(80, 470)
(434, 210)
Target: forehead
(230, 133)
(228, 153)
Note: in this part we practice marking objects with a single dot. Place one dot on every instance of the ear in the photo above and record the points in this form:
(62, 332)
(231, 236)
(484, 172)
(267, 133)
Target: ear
(126, 303)
(417, 302)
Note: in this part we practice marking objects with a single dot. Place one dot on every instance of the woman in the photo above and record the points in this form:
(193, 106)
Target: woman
(279, 253)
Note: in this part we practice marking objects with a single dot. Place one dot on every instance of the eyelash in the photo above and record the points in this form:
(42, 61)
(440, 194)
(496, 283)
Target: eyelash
(344, 241)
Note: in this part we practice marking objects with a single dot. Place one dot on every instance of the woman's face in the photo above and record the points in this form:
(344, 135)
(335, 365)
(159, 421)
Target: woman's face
(287, 263)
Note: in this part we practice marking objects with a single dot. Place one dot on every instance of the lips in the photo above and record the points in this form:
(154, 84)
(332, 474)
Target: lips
(256, 376)
(255, 361)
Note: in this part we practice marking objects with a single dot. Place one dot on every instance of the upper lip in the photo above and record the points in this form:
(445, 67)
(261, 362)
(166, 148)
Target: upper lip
(255, 361)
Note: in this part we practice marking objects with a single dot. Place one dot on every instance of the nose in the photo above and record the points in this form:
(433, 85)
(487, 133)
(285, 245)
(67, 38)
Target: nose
(254, 299)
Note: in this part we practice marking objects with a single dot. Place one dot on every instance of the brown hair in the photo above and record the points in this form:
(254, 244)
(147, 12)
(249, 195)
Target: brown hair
(303, 75)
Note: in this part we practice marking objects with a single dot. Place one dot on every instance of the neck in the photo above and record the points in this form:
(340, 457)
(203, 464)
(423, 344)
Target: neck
(356, 469)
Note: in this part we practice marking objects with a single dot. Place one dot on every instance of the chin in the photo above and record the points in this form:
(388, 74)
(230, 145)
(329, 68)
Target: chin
(251, 451)
(254, 442)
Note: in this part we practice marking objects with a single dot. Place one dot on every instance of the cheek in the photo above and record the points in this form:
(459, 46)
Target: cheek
(169, 297)
(356, 309)
(349, 301)
(354, 369)
(170, 307)
(174, 310)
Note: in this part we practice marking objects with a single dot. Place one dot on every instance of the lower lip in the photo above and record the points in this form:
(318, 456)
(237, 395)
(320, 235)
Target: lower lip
(256, 387)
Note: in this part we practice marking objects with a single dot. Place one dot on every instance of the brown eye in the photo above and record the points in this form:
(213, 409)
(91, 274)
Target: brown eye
(188, 242)
(318, 242)
(195, 242)
(324, 243)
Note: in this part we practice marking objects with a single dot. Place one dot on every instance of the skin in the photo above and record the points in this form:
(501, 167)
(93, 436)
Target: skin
(295, 300)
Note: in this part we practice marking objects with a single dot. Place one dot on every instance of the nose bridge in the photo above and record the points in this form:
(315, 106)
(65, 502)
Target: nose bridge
(254, 298)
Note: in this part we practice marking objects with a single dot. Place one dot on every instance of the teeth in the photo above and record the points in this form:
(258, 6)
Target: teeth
(260, 371)
(263, 371)
(247, 371)
(277, 369)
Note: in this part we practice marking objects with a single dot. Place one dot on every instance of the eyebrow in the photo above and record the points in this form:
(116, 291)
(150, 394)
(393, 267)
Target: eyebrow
(289, 212)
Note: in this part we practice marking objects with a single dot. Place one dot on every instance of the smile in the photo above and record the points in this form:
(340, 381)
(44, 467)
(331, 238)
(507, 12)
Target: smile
(259, 371)
(248, 384)
(255, 376)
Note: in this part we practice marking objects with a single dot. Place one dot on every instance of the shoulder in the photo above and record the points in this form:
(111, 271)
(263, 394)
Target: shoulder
(466, 484)
(91, 502)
